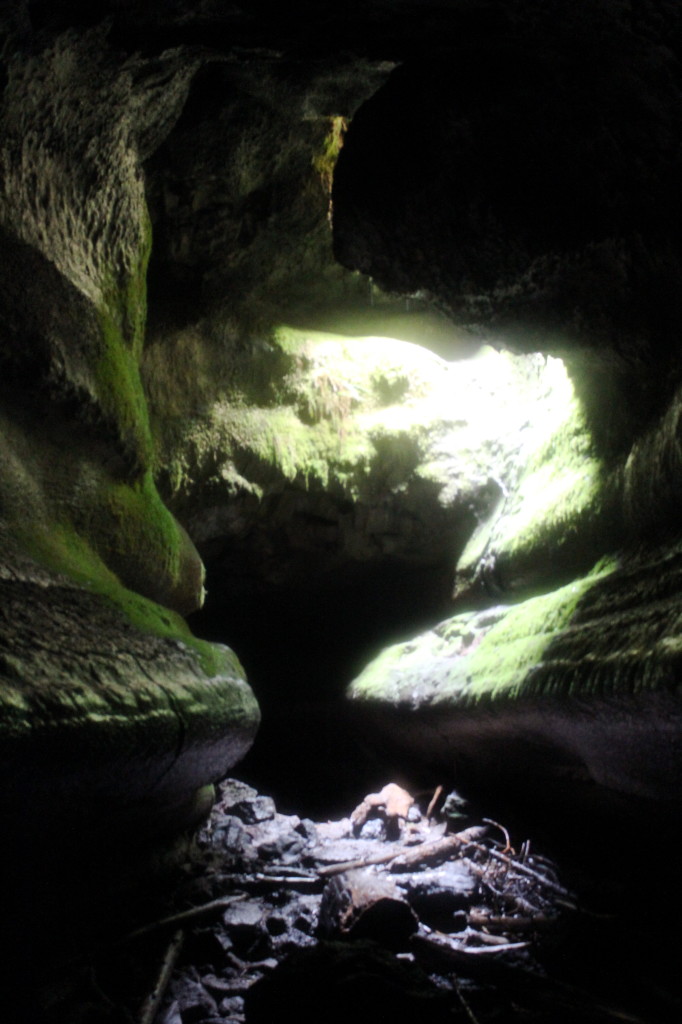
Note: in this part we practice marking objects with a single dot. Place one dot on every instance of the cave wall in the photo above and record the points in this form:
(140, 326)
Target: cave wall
(527, 183)
(115, 720)
(534, 202)
(166, 205)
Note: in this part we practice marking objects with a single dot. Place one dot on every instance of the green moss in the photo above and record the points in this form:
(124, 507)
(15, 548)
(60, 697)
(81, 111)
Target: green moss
(501, 662)
(560, 483)
(558, 513)
(477, 657)
(117, 373)
(62, 550)
(120, 392)
(324, 162)
(140, 525)
(274, 445)
(350, 415)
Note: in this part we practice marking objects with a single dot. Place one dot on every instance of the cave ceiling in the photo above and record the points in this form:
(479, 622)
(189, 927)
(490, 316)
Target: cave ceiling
(516, 164)
(493, 103)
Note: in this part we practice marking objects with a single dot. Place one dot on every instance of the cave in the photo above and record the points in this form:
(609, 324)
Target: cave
(340, 413)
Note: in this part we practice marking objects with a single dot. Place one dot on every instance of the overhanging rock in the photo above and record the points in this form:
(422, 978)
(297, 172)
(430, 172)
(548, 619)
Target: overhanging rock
(582, 682)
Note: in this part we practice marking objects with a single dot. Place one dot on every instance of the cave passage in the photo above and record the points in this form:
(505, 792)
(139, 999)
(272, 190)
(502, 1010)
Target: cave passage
(300, 648)
(303, 639)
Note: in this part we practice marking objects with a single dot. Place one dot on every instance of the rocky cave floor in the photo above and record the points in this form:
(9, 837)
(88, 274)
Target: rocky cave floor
(403, 911)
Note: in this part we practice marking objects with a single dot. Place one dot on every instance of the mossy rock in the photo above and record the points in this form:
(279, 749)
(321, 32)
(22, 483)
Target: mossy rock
(558, 513)
(113, 713)
(114, 724)
(583, 679)
(398, 451)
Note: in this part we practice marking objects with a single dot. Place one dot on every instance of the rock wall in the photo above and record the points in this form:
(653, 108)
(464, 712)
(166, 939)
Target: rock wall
(166, 206)
(113, 715)
(526, 181)
(526, 185)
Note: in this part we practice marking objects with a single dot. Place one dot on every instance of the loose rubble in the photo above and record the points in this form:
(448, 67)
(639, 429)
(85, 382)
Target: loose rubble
(388, 914)
(410, 910)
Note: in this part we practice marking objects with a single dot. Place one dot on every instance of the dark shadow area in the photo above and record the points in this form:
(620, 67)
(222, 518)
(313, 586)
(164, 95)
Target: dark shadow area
(613, 852)
(300, 648)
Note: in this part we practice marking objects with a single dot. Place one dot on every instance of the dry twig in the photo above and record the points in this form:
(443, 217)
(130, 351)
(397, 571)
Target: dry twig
(438, 792)
(524, 869)
(438, 850)
(183, 917)
(506, 923)
(464, 1003)
(151, 1004)
(450, 946)
(405, 859)
(350, 865)
(301, 881)
(508, 846)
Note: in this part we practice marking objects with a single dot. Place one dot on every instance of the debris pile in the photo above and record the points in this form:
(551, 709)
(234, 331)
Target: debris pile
(396, 913)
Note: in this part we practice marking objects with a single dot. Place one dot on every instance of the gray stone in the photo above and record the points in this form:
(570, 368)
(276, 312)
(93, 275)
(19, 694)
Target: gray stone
(194, 1002)
(438, 895)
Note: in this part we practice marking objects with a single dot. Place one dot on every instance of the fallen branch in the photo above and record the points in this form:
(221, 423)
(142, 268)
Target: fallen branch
(183, 917)
(263, 880)
(508, 846)
(406, 859)
(151, 1004)
(506, 923)
(438, 850)
(523, 869)
(514, 902)
(452, 948)
(350, 865)
(483, 938)
(366, 904)
(465, 1005)
(506, 948)
(433, 801)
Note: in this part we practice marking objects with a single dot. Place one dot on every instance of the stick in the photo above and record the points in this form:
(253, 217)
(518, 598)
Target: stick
(439, 850)
(193, 914)
(519, 903)
(406, 858)
(434, 800)
(479, 950)
(508, 845)
(524, 870)
(465, 1006)
(151, 1004)
(506, 923)
(263, 879)
(443, 943)
(350, 865)
(483, 938)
